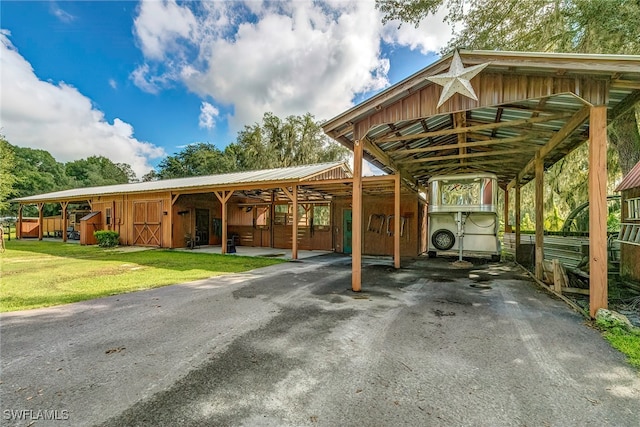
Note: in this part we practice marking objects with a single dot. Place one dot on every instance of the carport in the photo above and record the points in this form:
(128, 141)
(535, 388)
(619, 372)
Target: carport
(513, 114)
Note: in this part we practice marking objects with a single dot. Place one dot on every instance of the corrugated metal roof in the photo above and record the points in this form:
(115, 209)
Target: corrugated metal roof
(294, 173)
(632, 180)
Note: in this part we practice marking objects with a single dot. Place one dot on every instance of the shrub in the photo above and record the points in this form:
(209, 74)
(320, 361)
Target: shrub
(106, 238)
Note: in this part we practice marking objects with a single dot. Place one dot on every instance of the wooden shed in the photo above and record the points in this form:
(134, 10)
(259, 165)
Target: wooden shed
(629, 236)
(89, 224)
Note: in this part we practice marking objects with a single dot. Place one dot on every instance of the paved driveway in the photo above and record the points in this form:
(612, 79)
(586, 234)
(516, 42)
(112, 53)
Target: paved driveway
(428, 345)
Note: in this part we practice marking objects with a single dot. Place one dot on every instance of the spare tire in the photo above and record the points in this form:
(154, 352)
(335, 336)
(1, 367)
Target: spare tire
(443, 239)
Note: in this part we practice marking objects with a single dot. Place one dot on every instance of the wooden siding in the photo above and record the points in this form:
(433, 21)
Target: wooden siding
(184, 220)
(491, 89)
(378, 241)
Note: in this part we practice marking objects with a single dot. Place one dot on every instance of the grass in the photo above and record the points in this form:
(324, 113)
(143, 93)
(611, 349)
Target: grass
(627, 342)
(37, 274)
(622, 338)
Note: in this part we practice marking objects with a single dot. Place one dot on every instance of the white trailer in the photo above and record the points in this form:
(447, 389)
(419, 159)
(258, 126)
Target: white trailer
(463, 215)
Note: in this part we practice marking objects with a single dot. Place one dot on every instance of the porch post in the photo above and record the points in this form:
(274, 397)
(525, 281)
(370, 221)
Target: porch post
(19, 225)
(507, 226)
(517, 214)
(356, 218)
(64, 205)
(539, 206)
(223, 197)
(294, 226)
(396, 221)
(598, 280)
(40, 220)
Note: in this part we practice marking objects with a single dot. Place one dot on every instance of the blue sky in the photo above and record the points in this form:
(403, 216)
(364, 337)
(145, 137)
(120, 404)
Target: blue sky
(135, 81)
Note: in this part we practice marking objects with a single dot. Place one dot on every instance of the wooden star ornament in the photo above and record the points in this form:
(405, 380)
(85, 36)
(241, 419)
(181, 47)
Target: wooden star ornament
(457, 79)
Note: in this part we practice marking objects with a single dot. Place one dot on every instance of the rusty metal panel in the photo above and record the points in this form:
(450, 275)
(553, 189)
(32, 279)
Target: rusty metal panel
(631, 180)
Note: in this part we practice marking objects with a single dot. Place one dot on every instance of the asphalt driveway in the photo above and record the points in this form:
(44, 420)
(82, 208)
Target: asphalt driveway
(428, 345)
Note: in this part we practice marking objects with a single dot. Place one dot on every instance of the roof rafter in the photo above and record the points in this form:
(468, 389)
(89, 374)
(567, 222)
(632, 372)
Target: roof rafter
(454, 131)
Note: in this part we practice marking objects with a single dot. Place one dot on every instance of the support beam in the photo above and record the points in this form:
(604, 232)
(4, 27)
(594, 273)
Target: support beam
(223, 196)
(294, 226)
(396, 222)
(576, 120)
(19, 225)
(173, 198)
(356, 217)
(484, 126)
(272, 214)
(40, 220)
(436, 158)
(539, 206)
(460, 121)
(63, 206)
(484, 143)
(507, 227)
(598, 285)
(518, 212)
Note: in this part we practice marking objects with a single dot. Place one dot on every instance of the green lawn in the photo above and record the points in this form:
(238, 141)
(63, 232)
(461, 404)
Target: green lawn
(39, 274)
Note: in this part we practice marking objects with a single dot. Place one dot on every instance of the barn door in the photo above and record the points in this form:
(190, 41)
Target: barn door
(346, 234)
(147, 218)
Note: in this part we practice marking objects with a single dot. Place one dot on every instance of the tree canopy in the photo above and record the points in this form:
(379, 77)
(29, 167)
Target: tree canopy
(27, 171)
(578, 26)
(274, 143)
(7, 179)
(573, 26)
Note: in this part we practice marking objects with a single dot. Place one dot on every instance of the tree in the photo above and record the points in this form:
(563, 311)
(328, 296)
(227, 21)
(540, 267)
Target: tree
(294, 141)
(274, 143)
(7, 178)
(97, 170)
(194, 160)
(581, 26)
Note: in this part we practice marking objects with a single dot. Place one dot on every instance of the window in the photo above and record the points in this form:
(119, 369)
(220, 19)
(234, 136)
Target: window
(321, 215)
(108, 216)
(633, 208)
(280, 214)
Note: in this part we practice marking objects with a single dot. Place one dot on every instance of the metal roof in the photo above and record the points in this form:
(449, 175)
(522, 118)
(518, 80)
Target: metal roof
(528, 103)
(292, 174)
(631, 180)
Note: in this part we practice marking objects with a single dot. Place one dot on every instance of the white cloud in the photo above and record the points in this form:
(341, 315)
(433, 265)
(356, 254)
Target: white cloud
(208, 115)
(284, 57)
(59, 119)
(61, 14)
(160, 25)
(113, 84)
(430, 36)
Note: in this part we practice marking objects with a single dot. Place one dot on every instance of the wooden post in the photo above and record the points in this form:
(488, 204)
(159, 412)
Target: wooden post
(356, 217)
(294, 226)
(223, 197)
(507, 227)
(64, 205)
(539, 205)
(272, 213)
(598, 281)
(19, 225)
(40, 220)
(396, 222)
(518, 207)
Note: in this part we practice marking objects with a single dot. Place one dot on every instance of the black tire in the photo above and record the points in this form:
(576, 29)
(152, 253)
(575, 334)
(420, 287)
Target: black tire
(495, 258)
(443, 239)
